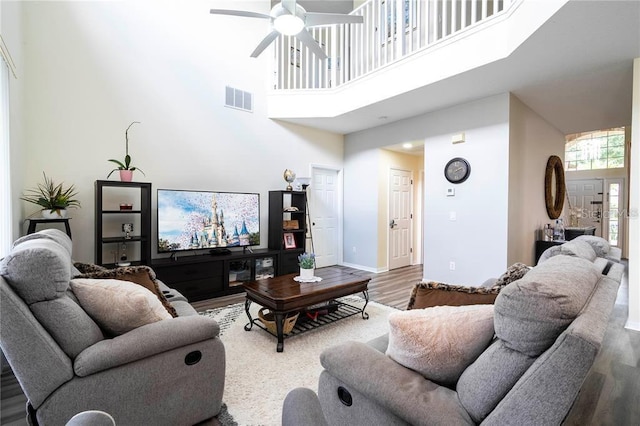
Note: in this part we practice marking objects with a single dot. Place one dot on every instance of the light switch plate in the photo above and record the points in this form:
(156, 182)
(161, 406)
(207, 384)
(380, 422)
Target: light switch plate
(451, 192)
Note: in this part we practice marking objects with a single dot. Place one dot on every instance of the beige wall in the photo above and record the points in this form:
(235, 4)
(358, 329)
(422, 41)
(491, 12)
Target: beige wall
(531, 141)
(413, 163)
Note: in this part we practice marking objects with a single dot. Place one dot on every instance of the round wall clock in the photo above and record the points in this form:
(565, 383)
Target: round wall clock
(457, 170)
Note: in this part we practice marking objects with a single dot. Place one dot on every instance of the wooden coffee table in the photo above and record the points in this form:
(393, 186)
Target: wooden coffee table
(282, 295)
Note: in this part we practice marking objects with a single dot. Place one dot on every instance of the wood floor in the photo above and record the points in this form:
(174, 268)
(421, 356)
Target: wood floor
(609, 396)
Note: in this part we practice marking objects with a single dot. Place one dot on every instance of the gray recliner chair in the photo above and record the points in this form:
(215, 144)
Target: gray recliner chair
(548, 325)
(170, 372)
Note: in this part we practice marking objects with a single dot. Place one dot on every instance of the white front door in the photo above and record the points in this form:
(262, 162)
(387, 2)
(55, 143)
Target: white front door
(586, 194)
(400, 216)
(324, 213)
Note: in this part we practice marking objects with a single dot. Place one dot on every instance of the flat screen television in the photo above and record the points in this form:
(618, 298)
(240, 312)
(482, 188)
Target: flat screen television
(194, 220)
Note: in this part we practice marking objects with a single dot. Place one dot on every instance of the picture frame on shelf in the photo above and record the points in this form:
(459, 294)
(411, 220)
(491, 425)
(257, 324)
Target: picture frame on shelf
(289, 240)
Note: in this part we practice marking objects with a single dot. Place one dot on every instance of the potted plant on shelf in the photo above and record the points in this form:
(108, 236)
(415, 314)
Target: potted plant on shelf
(125, 168)
(307, 263)
(54, 199)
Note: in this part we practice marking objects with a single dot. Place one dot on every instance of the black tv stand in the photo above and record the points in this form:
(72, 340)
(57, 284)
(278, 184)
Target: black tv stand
(219, 251)
(200, 277)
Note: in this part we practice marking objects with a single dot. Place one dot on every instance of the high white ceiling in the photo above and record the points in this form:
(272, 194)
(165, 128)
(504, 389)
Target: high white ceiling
(575, 71)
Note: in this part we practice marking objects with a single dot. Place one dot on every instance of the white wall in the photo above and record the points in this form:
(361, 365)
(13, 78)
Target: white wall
(498, 209)
(532, 141)
(11, 30)
(94, 67)
(361, 208)
(477, 240)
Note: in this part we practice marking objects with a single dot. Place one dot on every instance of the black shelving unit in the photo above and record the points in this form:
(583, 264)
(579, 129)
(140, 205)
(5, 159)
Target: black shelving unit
(108, 214)
(279, 201)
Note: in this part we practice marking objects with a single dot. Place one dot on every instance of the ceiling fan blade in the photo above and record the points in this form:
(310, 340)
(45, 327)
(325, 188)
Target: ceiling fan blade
(314, 19)
(242, 13)
(307, 39)
(290, 5)
(264, 43)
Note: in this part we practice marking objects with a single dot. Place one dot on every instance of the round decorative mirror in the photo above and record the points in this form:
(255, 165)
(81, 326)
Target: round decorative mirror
(554, 187)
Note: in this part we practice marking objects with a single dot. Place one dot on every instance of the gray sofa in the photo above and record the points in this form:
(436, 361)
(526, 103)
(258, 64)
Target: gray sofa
(169, 372)
(548, 325)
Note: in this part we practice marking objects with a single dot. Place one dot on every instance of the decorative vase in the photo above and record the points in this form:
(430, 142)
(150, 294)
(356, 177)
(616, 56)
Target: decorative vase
(126, 175)
(56, 214)
(307, 274)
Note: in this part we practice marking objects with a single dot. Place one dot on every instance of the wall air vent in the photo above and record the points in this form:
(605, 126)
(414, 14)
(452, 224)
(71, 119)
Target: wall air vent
(238, 99)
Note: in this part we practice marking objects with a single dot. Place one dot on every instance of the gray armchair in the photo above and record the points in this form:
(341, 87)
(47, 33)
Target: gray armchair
(170, 372)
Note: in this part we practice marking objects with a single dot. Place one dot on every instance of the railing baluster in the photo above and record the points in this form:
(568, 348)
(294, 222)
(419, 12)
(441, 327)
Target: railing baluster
(437, 26)
(454, 16)
(411, 24)
(445, 18)
(474, 11)
(484, 9)
(463, 14)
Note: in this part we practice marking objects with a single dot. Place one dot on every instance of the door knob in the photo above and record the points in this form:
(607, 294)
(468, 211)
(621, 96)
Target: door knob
(392, 224)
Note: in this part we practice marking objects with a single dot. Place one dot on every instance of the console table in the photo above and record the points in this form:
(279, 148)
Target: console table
(569, 233)
(542, 245)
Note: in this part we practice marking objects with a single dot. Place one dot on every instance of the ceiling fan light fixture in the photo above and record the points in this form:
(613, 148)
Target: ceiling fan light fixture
(288, 24)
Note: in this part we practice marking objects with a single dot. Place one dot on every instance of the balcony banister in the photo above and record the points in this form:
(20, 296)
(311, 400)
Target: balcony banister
(392, 30)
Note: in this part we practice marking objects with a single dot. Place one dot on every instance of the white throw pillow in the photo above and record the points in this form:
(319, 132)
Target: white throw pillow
(442, 341)
(118, 306)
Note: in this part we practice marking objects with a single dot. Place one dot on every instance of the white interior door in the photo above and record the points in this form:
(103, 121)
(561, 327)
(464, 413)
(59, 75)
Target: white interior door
(324, 212)
(400, 182)
(586, 194)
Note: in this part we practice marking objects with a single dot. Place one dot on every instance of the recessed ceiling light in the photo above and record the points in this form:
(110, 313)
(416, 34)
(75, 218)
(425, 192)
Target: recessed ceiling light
(407, 145)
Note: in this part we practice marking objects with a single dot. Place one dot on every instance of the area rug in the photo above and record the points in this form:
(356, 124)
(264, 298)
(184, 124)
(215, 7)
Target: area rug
(258, 378)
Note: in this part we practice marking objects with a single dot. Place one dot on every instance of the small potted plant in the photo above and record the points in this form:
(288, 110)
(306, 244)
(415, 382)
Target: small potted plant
(307, 263)
(125, 168)
(54, 199)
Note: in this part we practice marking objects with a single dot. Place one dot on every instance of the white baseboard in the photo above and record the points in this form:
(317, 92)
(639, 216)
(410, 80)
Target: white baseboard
(363, 268)
(632, 325)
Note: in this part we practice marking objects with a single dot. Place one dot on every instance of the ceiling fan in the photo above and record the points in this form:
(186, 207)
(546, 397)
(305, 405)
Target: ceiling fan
(289, 18)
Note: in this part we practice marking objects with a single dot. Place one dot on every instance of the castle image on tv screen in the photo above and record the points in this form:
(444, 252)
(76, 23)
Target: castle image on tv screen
(191, 220)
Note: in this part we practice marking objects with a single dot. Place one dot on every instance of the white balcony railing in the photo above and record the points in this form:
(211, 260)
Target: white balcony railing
(355, 50)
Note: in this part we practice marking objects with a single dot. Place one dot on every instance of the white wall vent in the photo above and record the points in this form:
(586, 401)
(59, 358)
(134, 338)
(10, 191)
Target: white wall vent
(239, 99)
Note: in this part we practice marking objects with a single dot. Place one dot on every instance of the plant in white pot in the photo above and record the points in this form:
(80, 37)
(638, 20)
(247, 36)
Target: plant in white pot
(307, 263)
(54, 199)
(124, 167)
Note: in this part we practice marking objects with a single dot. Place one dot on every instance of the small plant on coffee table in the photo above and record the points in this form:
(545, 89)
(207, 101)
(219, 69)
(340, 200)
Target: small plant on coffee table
(307, 261)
